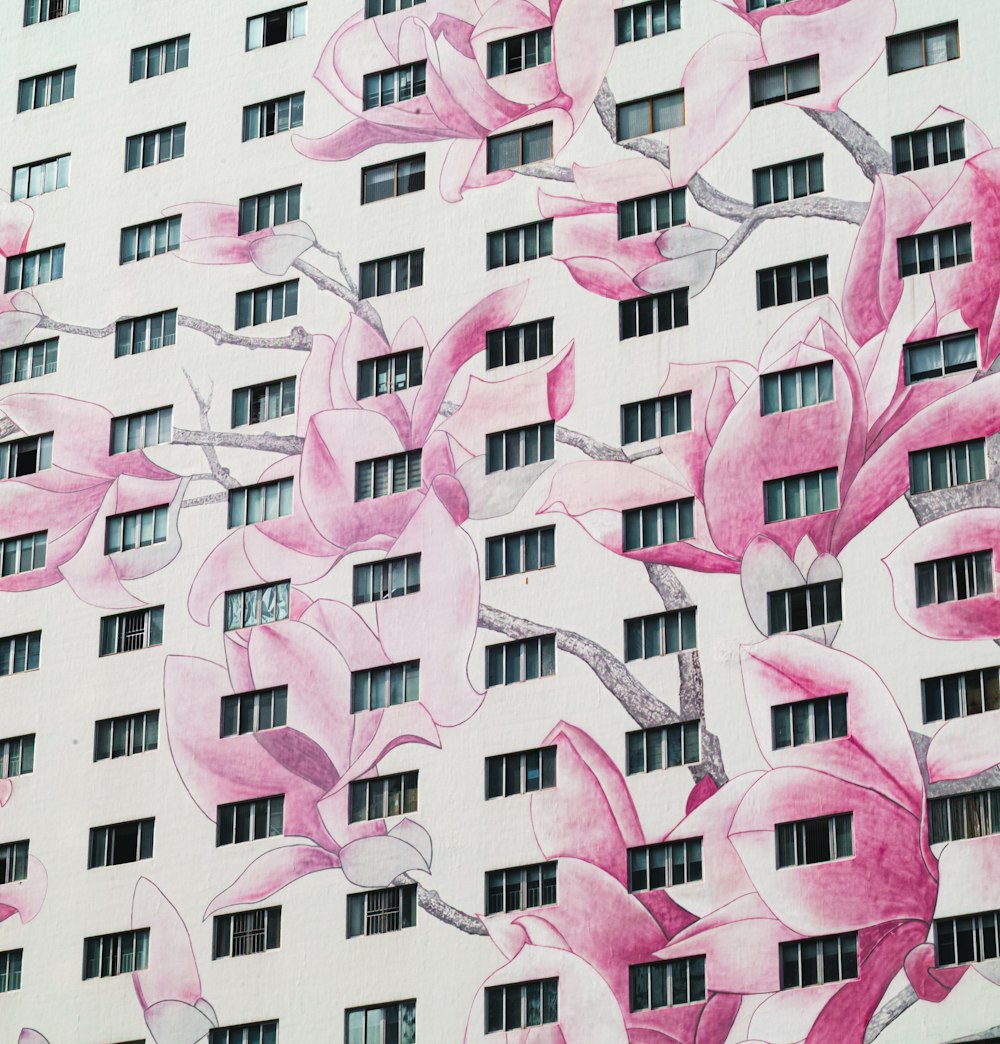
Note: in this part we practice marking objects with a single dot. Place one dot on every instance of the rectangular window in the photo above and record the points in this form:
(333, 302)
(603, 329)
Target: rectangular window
(809, 721)
(805, 606)
(511, 246)
(126, 735)
(817, 840)
(268, 209)
(521, 773)
(958, 695)
(44, 10)
(34, 179)
(522, 660)
(260, 503)
(136, 529)
(248, 1033)
(659, 112)
(267, 303)
(663, 746)
(26, 456)
(21, 554)
(932, 251)
(382, 1024)
(395, 178)
(250, 820)
(521, 888)
(116, 954)
(120, 843)
(798, 281)
(645, 214)
(265, 604)
(373, 8)
(127, 632)
(17, 756)
(656, 418)
(13, 862)
(658, 524)
(275, 27)
(966, 940)
(954, 578)
(383, 796)
(928, 147)
(388, 374)
(36, 92)
(524, 342)
(391, 275)
(519, 447)
(390, 578)
(516, 53)
(249, 931)
(665, 984)
(380, 911)
(520, 552)
(150, 239)
(387, 686)
(652, 313)
(660, 634)
(34, 268)
(155, 146)
(263, 119)
(159, 58)
(254, 711)
(147, 332)
(142, 430)
(940, 356)
(383, 476)
(522, 1004)
(395, 85)
(639, 21)
(796, 388)
(516, 148)
(10, 970)
(813, 962)
(799, 496)
(29, 360)
(664, 865)
(923, 47)
(263, 402)
(784, 181)
(945, 466)
(20, 653)
(976, 814)
(777, 83)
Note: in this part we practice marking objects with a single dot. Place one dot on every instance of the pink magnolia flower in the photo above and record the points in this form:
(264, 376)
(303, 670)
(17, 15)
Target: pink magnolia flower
(25, 897)
(461, 103)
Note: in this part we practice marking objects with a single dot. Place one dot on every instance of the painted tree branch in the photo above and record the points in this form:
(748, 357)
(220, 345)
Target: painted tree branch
(607, 108)
(219, 473)
(349, 296)
(546, 171)
(431, 901)
(266, 441)
(860, 143)
(889, 1012)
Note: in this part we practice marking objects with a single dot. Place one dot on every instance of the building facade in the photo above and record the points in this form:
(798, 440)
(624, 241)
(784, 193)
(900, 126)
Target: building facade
(499, 522)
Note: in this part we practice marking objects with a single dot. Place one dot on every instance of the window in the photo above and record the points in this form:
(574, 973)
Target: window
(656, 418)
(664, 865)
(390, 275)
(817, 840)
(940, 356)
(387, 686)
(958, 695)
(946, 466)
(649, 115)
(519, 52)
(260, 503)
(159, 58)
(799, 496)
(120, 843)
(639, 21)
(665, 984)
(150, 239)
(809, 721)
(760, 5)
(658, 524)
(378, 7)
(267, 303)
(141, 430)
(156, 146)
(126, 735)
(263, 119)
(796, 388)
(395, 85)
(520, 552)
(522, 660)
(126, 632)
(963, 940)
(36, 92)
(116, 954)
(21, 554)
(25, 456)
(263, 402)
(10, 970)
(521, 888)
(811, 962)
(519, 447)
(652, 313)
(976, 814)
(928, 147)
(265, 604)
(13, 861)
(660, 633)
(923, 47)
(395, 178)
(248, 1033)
(931, 251)
(388, 374)
(522, 1004)
(20, 653)
(955, 578)
(798, 281)
(664, 746)
(17, 756)
(520, 773)
(275, 27)
(34, 268)
(247, 932)
(510, 246)
(651, 213)
(383, 910)
(777, 83)
(254, 711)
(799, 608)
(524, 342)
(515, 148)
(269, 209)
(383, 476)
(136, 529)
(250, 820)
(134, 336)
(394, 1023)
(383, 796)
(390, 578)
(784, 181)
(29, 360)
(44, 10)
(33, 179)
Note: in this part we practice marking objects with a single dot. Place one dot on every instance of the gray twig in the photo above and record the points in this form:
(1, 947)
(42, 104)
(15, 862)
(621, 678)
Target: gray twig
(347, 294)
(546, 171)
(266, 441)
(889, 1012)
(860, 143)
(297, 341)
(219, 473)
(431, 901)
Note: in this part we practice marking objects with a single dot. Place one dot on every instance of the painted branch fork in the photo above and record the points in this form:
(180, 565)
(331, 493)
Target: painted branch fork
(860, 143)
(349, 294)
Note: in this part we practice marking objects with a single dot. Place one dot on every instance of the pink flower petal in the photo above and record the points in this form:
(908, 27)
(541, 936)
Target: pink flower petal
(271, 872)
(174, 973)
(931, 982)
(15, 224)
(964, 747)
(25, 897)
